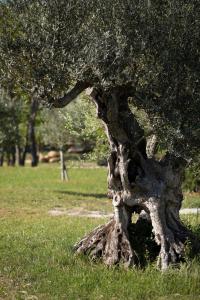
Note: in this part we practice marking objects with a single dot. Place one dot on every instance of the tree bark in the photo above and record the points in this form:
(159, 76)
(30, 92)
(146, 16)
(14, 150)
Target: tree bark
(137, 184)
(19, 156)
(64, 176)
(152, 145)
(8, 159)
(25, 150)
(30, 136)
(78, 88)
(13, 156)
(1, 158)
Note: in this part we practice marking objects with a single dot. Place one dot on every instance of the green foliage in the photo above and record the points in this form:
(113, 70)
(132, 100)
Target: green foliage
(10, 117)
(76, 123)
(82, 124)
(14, 114)
(52, 129)
(192, 179)
(153, 46)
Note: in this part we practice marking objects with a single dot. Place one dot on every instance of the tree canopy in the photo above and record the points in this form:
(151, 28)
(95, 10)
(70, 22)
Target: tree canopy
(149, 47)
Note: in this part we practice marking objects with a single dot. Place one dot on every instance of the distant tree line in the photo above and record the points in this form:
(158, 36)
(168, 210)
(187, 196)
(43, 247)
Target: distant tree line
(28, 128)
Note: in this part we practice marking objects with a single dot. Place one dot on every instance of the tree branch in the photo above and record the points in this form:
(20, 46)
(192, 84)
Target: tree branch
(71, 95)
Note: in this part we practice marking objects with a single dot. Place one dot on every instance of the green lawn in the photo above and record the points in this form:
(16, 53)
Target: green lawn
(191, 200)
(36, 258)
(35, 190)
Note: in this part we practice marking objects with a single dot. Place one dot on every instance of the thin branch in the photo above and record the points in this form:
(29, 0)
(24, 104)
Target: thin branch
(71, 95)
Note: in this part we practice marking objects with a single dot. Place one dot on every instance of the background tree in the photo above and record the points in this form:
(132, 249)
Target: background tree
(86, 129)
(75, 123)
(30, 140)
(144, 53)
(9, 134)
(18, 118)
(11, 127)
(25, 64)
(53, 132)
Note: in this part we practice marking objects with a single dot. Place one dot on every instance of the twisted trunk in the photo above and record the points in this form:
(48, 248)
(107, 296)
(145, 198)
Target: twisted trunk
(137, 184)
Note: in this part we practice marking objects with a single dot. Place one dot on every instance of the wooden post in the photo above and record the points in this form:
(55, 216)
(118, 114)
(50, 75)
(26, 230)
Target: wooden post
(64, 176)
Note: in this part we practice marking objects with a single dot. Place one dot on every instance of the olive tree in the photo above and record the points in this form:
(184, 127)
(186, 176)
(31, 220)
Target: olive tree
(130, 53)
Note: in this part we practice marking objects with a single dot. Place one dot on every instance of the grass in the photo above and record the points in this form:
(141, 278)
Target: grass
(191, 200)
(40, 189)
(36, 259)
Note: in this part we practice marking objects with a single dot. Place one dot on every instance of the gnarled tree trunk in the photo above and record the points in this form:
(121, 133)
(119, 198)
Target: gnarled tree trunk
(137, 184)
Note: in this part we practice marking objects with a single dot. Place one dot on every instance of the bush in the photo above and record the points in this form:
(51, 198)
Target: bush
(192, 179)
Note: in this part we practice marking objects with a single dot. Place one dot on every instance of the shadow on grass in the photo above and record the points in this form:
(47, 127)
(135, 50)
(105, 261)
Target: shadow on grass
(82, 194)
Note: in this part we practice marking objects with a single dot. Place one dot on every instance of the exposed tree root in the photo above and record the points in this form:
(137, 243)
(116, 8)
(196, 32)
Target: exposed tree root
(138, 245)
(109, 242)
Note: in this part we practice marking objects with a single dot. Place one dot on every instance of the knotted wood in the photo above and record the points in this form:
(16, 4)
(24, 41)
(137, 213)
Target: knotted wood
(138, 183)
